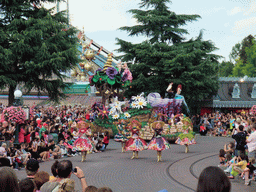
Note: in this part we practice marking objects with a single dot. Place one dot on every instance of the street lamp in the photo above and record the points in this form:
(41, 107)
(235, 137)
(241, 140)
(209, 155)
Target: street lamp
(17, 98)
(17, 102)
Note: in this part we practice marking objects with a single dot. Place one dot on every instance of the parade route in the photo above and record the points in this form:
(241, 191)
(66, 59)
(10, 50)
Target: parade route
(177, 172)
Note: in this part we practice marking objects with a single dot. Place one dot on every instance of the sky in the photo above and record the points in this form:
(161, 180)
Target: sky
(224, 22)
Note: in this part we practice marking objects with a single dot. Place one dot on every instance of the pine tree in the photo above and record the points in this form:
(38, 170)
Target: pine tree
(36, 46)
(166, 56)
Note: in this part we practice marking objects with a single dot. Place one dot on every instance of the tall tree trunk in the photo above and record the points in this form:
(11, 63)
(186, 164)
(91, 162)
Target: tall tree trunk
(11, 95)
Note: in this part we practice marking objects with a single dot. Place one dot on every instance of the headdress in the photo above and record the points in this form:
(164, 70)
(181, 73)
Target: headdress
(157, 122)
(179, 86)
(135, 123)
(187, 119)
(80, 123)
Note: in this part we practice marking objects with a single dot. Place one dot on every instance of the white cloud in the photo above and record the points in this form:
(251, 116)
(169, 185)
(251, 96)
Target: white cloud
(251, 9)
(234, 11)
(209, 12)
(100, 15)
(245, 25)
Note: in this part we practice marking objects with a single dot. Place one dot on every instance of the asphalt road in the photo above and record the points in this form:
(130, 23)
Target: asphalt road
(178, 171)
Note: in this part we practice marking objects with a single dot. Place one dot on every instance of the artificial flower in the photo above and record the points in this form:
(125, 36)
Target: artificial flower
(116, 116)
(104, 112)
(111, 72)
(141, 103)
(127, 115)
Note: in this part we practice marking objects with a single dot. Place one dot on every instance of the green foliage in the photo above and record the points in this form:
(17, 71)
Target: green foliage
(226, 69)
(36, 46)
(165, 57)
(246, 62)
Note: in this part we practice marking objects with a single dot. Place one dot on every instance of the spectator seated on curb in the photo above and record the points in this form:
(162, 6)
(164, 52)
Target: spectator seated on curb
(27, 185)
(240, 166)
(208, 175)
(64, 170)
(229, 148)
(54, 150)
(32, 168)
(100, 146)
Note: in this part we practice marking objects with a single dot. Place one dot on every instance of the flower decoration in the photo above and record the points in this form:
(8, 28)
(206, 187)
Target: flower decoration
(104, 112)
(111, 72)
(128, 73)
(115, 116)
(14, 114)
(127, 115)
(139, 101)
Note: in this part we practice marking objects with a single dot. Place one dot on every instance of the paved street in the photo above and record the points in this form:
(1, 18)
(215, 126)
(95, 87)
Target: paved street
(178, 171)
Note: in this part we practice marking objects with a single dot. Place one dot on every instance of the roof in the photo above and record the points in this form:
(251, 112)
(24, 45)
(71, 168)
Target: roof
(246, 93)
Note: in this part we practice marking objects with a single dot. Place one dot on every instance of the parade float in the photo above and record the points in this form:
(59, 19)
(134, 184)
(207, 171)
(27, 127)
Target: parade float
(145, 109)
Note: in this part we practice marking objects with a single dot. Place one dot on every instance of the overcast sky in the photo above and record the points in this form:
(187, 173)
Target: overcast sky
(225, 22)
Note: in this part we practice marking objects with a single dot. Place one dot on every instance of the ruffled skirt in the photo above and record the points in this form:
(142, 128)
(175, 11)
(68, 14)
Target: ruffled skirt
(185, 141)
(159, 144)
(135, 143)
(83, 144)
(120, 138)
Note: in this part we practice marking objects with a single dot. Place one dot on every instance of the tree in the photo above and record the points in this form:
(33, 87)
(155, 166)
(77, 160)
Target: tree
(166, 57)
(226, 69)
(36, 46)
(245, 58)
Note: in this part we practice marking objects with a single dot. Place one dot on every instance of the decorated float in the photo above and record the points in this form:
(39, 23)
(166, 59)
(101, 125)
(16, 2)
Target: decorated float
(111, 83)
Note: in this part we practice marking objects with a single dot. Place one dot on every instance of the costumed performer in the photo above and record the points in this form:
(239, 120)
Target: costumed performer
(158, 142)
(83, 144)
(186, 138)
(123, 133)
(135, 143)
(179, 96)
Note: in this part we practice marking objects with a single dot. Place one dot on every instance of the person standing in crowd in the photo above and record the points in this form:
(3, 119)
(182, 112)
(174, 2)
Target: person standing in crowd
(251, 142)
(240, 138)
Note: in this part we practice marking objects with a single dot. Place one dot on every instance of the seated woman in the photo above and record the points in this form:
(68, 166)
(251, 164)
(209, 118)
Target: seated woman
(229, 148)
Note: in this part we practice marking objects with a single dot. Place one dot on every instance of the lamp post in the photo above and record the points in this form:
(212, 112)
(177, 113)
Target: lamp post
(17, 102)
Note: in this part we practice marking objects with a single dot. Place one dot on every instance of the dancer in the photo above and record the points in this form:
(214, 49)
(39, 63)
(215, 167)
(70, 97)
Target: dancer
(135, 143)
(123, 134)
(83, 144)
(158, 142)
(186, 138)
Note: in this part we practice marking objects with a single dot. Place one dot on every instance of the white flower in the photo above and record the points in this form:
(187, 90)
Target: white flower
(141, 103)
(127, 115)
(134, 104)
(116, 116)
(111, 112)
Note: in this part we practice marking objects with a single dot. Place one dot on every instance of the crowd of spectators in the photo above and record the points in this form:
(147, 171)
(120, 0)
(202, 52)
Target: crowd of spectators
(51, 131)
(237, 158)
(48, 134)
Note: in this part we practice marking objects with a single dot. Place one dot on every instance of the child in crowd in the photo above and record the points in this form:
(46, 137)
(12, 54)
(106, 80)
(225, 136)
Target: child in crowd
(100, 146)
(222, 157)
(240, 166)
(106, 138)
